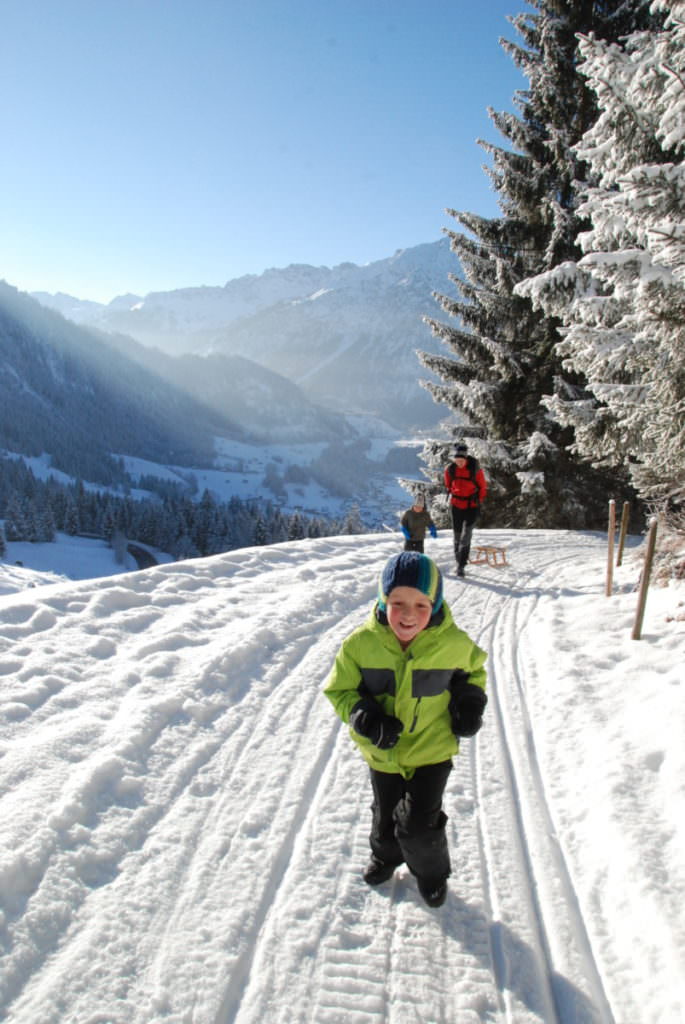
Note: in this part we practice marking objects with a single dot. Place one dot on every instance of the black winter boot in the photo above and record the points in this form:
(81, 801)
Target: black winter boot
(427, 857)
(433, 893)
(378, 871)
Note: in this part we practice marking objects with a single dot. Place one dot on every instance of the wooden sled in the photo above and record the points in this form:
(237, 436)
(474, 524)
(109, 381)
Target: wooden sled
(486, 555)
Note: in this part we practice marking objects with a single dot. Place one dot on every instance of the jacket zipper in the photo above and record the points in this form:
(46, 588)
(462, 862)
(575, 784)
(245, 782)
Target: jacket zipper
(409, 659)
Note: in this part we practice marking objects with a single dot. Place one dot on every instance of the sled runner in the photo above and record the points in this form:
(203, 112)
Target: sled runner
(486, 555)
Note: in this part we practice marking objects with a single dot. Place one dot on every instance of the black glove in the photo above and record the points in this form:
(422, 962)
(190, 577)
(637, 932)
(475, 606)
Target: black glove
(369, 720)
(466, 705)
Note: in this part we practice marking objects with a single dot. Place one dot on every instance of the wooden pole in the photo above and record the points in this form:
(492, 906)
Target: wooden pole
(611, 538)
(625, 516)
(644, 582)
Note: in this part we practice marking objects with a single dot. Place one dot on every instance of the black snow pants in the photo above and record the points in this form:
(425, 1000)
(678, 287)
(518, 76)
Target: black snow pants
(463, 521)
(413, 545)
(408, 823)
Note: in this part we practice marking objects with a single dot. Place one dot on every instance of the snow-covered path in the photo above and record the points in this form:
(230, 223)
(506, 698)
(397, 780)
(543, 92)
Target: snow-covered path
(185, 819)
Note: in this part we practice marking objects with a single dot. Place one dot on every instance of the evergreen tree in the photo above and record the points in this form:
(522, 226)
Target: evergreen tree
(260, 534)
(623, 303)
(167, 527)
(314, 528)
(56, 496)
(352, 522)
(3, 545)
(44, 523)
(278, 527)
(108, 523)
(16, 524)
(504, 357)
(185, 548)
(205, 525)
(31, 519)
(296, 527)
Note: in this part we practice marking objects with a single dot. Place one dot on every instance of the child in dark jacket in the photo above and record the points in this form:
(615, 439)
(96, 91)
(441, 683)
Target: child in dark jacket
(414, 523)
(409, 682)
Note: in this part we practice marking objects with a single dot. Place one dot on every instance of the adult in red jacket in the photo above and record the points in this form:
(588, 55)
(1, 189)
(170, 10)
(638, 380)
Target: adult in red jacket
(465, 482)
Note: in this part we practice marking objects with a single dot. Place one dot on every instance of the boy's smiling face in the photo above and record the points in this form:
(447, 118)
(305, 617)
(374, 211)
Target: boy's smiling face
(409, 611)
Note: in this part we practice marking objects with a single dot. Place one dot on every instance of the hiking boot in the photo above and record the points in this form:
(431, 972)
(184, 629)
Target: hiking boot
(378, 871)
(460, 570)
(433, 893)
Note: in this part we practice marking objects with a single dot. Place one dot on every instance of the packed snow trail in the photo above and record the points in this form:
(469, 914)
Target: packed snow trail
(189, 819)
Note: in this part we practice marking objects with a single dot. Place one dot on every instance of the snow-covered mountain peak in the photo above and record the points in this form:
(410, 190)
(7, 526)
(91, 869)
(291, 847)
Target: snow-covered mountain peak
(201, 307)
(347, 333)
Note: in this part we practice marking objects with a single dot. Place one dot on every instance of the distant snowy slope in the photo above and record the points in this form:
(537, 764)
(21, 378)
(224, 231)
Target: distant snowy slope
(353, 346)
(28, 564)
(67, 391)
(185, 820)
(347, 335)
(185, 311)
(267, 405)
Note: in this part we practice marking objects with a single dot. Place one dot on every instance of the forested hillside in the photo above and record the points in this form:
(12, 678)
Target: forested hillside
(64, 390)
(173, 519)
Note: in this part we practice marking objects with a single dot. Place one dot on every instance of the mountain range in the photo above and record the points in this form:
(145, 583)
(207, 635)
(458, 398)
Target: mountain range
(68, 392)
(299, 384)
(345, 337)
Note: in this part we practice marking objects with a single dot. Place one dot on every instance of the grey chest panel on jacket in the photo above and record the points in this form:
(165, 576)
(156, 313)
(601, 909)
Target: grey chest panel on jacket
(378, 680)
(429, 682)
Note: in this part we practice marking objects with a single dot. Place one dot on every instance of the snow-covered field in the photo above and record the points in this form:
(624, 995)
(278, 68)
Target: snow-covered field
(73, 558)
(240, 471)
(184, 820)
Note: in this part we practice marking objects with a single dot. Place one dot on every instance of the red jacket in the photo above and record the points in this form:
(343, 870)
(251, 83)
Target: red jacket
(465, 491)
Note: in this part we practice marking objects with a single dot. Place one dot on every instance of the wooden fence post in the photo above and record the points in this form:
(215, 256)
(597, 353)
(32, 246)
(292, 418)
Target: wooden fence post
(644, 581)
(611, 538)
(625, 515)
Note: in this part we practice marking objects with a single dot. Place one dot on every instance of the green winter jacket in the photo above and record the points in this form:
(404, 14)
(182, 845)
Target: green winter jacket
(412, 684)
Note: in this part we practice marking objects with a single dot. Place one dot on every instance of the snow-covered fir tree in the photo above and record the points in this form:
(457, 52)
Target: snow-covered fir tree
(296, 530)
(503, 351)
(352, 523)
(71, 523)
(260, 535)
(16, 521)
(43, 524)
(623, 303)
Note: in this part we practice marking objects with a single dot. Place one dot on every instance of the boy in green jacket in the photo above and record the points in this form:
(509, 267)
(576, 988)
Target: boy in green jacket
(409, 682)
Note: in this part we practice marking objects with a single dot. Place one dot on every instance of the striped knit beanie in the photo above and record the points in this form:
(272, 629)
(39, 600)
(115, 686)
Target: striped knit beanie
(411, 569)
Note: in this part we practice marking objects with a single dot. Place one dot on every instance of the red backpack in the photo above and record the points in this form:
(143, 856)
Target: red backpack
(473, 466)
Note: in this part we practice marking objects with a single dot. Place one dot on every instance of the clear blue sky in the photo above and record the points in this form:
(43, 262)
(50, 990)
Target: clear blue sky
(156, 144)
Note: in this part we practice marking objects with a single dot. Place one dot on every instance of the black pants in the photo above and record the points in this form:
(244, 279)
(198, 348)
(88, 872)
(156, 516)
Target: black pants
(413, 545)
(408, 823)
(463, 521)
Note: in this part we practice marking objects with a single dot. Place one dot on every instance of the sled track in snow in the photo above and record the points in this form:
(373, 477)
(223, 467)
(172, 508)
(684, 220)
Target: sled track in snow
(364, 958)
(294, 798)
(493, 952)
(520, 814)
(359, 953)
